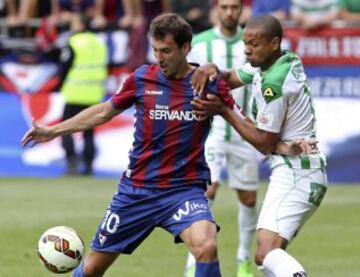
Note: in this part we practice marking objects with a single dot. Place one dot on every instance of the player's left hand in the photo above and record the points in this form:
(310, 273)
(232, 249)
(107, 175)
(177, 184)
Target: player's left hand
(208, 107)
(202, 75)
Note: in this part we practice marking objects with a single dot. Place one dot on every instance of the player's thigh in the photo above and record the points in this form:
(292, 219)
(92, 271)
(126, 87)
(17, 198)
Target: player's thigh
(242, 167)
(215, 154)
(293, 195)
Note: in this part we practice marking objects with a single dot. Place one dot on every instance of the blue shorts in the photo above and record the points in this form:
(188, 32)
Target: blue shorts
(135, 212)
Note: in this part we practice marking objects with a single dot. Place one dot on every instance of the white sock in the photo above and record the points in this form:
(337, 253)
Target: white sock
(190, 260)
(281, 264)
(247, 218)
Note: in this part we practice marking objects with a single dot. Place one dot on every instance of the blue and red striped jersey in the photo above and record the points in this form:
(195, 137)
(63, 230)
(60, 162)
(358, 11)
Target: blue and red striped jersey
(168, 147)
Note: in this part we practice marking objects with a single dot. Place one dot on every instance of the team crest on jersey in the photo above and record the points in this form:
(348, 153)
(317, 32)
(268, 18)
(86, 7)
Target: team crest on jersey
(102, 239)
(268, 92)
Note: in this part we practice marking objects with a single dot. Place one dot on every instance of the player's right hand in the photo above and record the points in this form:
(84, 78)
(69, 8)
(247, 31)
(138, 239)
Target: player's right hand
(37, 134)
(202, 75)
(304, 146)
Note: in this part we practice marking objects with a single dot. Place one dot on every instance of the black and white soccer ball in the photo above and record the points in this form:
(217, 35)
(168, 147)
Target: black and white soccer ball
(60, 249)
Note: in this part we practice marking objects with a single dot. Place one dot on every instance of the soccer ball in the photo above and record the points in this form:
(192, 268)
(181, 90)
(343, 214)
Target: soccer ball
(60, 249)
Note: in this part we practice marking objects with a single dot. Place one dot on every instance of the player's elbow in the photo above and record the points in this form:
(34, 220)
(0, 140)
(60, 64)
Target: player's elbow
(264, 151)
(267, 147)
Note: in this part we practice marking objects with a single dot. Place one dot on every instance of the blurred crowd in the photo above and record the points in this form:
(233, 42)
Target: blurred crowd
(131, 14)
(47, 20)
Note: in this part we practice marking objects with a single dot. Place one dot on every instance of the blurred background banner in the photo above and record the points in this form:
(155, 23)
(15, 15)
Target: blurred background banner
(29, 85)
(325, 46)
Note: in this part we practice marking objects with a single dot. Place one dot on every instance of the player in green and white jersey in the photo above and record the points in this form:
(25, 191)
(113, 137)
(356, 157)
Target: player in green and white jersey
(282, 111)
(223, 46)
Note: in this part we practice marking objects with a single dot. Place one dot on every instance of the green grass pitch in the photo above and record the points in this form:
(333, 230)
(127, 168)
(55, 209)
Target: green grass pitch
(328, 245)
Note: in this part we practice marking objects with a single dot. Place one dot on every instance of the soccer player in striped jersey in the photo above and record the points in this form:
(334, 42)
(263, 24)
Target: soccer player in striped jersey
(165, 182)
(282, 109)
(223, 46)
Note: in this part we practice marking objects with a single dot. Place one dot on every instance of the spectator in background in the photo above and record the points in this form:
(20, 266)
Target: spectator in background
(124, 13)
(195, 12)
(246, 11)
(144, 12)
(350, 10)
(278, 8)
(83, 86)
(16, 12)
(312, 14)
(153, 8)
(66, 8)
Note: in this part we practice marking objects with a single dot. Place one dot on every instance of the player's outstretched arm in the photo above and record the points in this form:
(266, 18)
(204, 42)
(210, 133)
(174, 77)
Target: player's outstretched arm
(209, 72)
(87, 119)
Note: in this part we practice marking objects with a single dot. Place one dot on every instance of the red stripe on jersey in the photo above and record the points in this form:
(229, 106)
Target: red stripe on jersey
(191, 171)
(172, 138)
(149, 101)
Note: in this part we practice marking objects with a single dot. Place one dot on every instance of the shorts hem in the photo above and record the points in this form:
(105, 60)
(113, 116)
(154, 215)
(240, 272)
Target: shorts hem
(288, 238)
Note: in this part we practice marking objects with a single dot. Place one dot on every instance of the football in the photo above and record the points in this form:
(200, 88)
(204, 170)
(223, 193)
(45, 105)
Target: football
(60, 249)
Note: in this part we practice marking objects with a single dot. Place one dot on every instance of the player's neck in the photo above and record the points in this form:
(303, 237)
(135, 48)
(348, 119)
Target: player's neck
(183, 71)
(271, 61)
(228, 33)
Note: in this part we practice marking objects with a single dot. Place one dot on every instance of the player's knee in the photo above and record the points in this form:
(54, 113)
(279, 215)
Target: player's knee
(247, 198)
(211, 191)
(260, 255)
(264, 247)
(248, 202)
(205, 251)
(92, 270)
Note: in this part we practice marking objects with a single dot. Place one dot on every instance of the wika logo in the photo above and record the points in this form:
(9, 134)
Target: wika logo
(190, 208)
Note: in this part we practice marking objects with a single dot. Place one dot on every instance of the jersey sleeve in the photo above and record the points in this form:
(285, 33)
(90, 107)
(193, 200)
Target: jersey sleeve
(223, 92)
(246, 73)
(125, 96)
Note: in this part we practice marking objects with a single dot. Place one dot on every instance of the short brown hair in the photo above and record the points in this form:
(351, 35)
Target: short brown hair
(173, 24)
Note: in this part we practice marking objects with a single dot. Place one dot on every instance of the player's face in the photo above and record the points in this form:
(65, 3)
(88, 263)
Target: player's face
(229, 13)
(170, 57)
(258, 49)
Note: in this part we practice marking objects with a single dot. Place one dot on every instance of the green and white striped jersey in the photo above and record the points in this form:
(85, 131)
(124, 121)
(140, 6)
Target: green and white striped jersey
(314, 8)
(227, 53)
(281, 103)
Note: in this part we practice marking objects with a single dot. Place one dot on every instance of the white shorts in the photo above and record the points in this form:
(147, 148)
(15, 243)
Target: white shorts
(241, 163)
(292, 197)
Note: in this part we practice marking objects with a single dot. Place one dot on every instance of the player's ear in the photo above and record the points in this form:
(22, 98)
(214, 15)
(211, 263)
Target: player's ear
(186, 47)
(275, 43)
